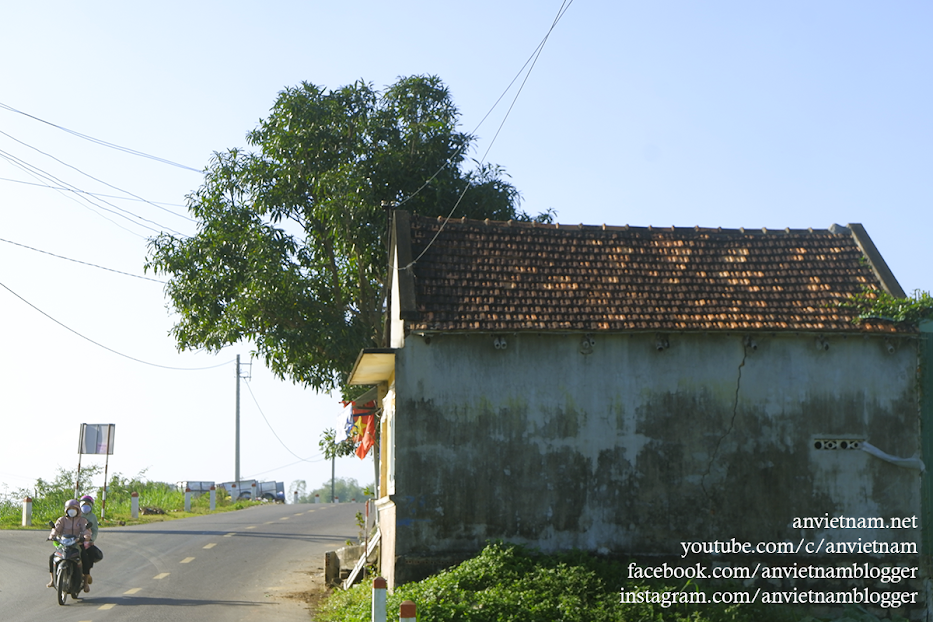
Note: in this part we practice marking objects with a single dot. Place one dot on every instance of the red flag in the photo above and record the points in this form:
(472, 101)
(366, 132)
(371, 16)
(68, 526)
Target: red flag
(369, 436)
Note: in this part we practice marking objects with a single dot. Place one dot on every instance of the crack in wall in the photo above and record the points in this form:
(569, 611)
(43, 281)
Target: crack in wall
(735, 408)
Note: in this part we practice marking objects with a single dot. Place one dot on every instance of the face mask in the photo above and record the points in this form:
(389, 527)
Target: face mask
(72, 512)
(85, 509)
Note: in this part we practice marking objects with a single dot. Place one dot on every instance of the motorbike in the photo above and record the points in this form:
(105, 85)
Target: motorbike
(67, 574)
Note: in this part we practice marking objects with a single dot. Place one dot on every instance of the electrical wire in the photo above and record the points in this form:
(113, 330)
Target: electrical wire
(95, 194)
(39, 175)
(564, 7)
(100, 345)
(135, 276)
(255, 401)
(101, 142)
(88, 175)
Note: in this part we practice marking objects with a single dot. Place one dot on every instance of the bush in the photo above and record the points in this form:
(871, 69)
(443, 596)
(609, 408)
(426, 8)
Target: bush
(511, 583)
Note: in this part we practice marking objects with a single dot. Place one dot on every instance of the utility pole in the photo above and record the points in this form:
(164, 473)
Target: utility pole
(236, 477)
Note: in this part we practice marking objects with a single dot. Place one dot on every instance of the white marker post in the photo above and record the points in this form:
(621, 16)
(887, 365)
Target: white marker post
(134, 505)
(27, 512)
(213, 498)
(379, 599)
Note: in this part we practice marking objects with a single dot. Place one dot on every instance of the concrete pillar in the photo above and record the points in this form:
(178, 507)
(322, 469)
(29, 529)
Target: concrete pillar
(252, 492)
(213, 498)
(134, 505)
(407, 612)
(336, 499)
(317, 498)
(296, 497)
(27, 512)
(379, 600)
(187, 499)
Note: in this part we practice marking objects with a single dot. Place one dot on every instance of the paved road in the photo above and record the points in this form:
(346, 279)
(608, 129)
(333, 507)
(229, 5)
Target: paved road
(234, 566)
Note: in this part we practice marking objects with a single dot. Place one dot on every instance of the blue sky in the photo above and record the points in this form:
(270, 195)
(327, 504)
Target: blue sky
(731, 114)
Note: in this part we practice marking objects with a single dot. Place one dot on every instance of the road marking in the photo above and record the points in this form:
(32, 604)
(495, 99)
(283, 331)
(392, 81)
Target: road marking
(187, 560)
(162, 575)
(299, 513)
(211, 545)
(269, 522)
(284, 518)
(107, 606)
(229, 535)
(133, 591)
(252, 527)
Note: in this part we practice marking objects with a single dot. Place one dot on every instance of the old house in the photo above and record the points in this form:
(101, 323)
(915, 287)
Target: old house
(627, 389)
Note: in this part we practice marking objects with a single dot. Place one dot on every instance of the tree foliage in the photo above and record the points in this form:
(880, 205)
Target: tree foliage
(290, 251)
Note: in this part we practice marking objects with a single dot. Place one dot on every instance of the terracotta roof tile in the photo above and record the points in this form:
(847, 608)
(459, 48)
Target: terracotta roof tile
(499, 276)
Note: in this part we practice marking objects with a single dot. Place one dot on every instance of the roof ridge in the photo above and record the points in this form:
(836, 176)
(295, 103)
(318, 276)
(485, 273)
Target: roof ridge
(832, 230)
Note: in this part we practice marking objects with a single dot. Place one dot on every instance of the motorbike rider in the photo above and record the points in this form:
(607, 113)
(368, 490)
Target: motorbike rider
(90, 554)
(71, 524)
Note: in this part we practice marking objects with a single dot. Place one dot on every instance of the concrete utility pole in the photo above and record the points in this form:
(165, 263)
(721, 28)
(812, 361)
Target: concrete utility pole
(236, 476)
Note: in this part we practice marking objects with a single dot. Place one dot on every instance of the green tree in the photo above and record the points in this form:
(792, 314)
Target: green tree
(290, 251)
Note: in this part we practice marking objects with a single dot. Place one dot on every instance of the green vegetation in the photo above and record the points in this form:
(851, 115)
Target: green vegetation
(877, 305)
(510, 583)
(345, 489)
(160, 498)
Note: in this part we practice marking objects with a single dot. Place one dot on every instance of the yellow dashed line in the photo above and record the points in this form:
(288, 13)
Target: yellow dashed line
(252, 527)
(229, 535)
(211, 545)
(162, 575)
(133, 591)
(187, 560)
(269, 522)
(284, 518)
(299, 513)
(107, 606)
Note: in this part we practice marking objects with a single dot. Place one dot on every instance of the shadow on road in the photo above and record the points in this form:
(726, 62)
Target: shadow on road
(252, 533)
(147, 601)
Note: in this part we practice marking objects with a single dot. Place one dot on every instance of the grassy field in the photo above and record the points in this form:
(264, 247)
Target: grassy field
(159, 498)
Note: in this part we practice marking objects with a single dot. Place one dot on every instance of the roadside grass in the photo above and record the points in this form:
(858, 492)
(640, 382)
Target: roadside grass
(511, 583)
(158, 502)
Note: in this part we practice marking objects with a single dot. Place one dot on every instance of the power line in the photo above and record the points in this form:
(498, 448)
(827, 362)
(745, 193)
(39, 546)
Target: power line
(75, 168)
(39, 174)
(100, 345)
(533, 59)
(255, 401)
(98, 194)
(136, 276)
(101, 142)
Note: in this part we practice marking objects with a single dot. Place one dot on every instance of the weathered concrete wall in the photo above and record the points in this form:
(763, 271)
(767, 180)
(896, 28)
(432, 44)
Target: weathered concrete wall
(632, 450)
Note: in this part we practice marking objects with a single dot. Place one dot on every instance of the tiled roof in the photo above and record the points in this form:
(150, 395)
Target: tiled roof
(497, 276)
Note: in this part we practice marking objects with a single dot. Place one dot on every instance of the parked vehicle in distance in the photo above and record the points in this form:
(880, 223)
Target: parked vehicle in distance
(196, 487)
(244, 489)
(271, 491)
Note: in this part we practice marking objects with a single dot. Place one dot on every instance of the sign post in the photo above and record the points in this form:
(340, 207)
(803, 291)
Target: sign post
(96, 438)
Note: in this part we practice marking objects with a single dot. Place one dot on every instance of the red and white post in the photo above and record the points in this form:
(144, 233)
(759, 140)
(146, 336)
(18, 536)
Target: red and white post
(134, 505)
(187, 499)
(407, 612)
(379, 599)
(213, 498)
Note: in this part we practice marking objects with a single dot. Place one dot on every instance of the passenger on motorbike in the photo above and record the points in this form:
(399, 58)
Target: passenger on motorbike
(71, 524)
(90, 554)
